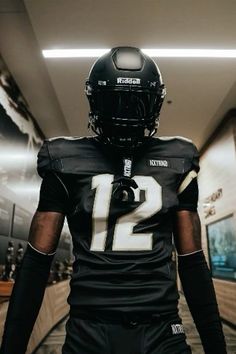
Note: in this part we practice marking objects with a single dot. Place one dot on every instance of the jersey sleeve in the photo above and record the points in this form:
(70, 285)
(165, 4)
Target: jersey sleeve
(53, 194)
(44, 160)
(188, 187)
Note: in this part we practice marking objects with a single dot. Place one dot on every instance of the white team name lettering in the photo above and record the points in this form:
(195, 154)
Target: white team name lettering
(127, 167)
(159, 163)
(128, 80)
(177, 328)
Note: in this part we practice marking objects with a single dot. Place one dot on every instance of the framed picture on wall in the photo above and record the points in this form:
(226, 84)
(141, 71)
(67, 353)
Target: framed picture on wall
(21, 223)
(221, 236)
(6, 207)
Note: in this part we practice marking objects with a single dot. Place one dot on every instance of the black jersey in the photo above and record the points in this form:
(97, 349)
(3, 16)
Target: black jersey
(123, 250)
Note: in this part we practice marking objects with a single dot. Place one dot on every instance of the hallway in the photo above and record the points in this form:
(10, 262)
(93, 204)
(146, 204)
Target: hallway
(53, 343)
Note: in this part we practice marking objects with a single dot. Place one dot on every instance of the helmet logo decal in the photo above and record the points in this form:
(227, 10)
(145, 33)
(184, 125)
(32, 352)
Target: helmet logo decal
(102, 83)
(153, 84)
(128, 80)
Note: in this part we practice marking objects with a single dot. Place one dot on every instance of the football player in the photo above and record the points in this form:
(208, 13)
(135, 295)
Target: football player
(125, 193)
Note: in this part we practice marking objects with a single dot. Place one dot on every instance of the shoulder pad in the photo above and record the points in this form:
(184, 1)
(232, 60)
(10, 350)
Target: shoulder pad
(53, 151)
(180, 147)
(166, 138)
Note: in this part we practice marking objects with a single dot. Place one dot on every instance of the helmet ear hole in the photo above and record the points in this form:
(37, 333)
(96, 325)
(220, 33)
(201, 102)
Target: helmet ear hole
(125, 93)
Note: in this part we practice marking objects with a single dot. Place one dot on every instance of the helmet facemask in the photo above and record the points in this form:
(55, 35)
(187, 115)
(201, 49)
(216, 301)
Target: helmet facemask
(124, 118)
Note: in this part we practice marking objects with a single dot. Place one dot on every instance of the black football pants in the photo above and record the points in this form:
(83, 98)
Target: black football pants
(90, 336)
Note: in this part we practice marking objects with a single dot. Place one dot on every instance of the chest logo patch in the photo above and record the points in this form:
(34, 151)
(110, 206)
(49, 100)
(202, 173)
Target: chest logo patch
(158, 163)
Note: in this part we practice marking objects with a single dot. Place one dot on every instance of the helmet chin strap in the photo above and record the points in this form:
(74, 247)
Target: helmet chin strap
(125, 184)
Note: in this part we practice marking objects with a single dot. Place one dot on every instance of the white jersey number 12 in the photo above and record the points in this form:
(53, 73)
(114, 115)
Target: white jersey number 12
(124, 239)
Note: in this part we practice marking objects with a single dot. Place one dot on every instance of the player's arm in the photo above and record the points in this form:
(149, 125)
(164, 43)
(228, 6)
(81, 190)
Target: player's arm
(32, 278)
(194, 273)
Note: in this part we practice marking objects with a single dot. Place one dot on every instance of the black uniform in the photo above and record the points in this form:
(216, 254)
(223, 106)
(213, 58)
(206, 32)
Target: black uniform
(123, 264)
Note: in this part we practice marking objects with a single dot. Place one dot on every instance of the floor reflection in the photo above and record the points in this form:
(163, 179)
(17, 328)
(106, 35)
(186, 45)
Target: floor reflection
(53, 343)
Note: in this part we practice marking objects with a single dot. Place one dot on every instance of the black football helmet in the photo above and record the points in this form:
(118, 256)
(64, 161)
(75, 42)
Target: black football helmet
(125, 93)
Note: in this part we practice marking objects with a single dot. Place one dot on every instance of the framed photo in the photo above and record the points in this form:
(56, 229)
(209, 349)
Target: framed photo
(6, 207)
(21, 223)
(222, 248)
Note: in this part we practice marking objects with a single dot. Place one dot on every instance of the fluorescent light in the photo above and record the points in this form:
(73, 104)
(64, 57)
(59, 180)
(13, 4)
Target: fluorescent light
(74, 53)
(191, 53)
(159, 53)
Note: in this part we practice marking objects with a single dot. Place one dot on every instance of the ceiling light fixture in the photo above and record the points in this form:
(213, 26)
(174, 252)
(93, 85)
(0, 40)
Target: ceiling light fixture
(159, 53)
(191, 53)
(74, 53)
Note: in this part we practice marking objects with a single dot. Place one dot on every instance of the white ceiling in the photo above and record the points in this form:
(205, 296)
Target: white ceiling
(201, 90)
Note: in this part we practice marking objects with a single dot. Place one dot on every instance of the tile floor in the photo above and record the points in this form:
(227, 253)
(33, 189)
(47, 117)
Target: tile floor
(53, 343)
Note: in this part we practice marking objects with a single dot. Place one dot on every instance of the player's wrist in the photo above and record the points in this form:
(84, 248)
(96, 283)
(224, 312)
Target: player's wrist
(22, 311)
(200, 296)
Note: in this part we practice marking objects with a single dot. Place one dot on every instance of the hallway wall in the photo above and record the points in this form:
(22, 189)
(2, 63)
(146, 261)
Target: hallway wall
(20, 140)
(217, 208)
